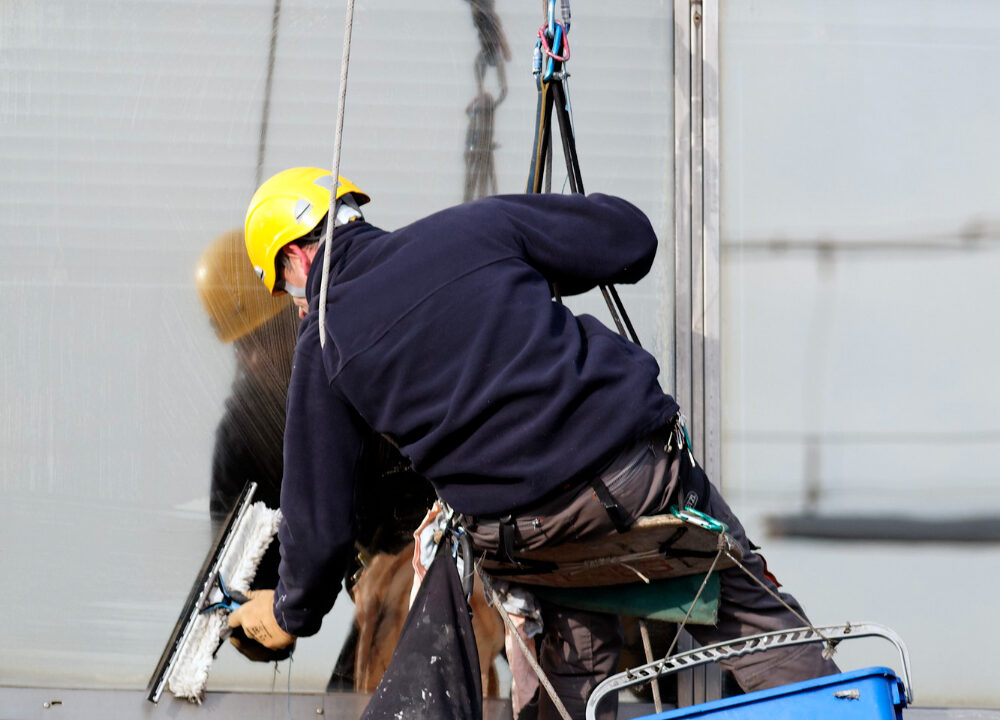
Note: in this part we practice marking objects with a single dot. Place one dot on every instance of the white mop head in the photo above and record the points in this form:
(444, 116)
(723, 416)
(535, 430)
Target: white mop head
(237, 567)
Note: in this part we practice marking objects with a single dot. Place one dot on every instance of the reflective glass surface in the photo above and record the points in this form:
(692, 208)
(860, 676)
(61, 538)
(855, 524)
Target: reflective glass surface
(132, 135)
(861, 245)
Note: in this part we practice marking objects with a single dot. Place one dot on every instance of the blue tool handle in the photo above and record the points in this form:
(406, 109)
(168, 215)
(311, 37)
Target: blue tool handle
(230, 600)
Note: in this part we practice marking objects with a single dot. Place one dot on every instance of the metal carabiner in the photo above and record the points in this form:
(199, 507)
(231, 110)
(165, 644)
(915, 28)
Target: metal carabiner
(560, 43)
(683, 439)
(697, 517)
(560, 38)
(564, 8)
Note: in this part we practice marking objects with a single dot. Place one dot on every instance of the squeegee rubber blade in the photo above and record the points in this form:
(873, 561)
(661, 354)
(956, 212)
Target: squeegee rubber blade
(201, 586)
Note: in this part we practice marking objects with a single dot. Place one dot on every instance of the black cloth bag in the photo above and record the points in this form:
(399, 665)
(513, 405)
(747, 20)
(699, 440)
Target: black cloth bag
(434, 671)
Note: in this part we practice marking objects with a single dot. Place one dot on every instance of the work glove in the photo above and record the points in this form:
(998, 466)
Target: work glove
(253, 650)
(256, 617)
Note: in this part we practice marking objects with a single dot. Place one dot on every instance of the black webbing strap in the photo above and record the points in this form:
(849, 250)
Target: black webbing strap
(507, 535)
(611, 506)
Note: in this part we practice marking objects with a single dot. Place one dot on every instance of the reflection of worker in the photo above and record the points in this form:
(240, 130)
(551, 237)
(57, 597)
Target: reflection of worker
(537, 425)
(249, 435)
(248, 438)
(262, 330)
(248, 441)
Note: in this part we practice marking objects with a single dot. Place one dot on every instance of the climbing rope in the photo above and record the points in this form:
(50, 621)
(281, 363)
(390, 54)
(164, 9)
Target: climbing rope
(831, 646)
(338, 137)
(704, 583)
(647, 648)
(497, 603)
(265, 112)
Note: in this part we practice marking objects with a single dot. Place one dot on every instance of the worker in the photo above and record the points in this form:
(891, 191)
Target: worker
(262, 331)
(537, 425)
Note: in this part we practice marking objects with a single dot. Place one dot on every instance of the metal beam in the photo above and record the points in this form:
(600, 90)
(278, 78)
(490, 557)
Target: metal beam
(698, 367)
(697, 360)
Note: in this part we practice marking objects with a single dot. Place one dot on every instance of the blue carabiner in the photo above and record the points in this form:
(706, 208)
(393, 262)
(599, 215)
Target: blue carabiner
(553, 52)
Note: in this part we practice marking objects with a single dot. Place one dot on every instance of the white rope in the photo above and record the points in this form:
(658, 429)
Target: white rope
(697, 596)
(647, 647)
(830, 646)
(496, 602)
(338, 137)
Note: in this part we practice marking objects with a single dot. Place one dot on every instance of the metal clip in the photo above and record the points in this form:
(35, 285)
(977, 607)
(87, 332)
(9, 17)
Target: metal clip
(559, 44)
(683, 439)
(536, 59)
(697, 517)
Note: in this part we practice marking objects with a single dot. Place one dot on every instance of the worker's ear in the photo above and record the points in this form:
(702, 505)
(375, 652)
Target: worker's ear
(294, 252)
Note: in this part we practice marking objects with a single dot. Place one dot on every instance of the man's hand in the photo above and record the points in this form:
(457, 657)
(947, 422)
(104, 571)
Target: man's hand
(256, 617)
(253, 650)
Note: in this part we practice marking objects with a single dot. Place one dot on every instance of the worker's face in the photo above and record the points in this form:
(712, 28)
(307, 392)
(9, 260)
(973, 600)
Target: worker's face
(303, 305)
(294, 274)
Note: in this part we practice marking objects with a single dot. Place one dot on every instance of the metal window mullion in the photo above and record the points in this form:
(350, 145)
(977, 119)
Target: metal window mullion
(697, 318)
(682, 204)
(711, 209)
(688, 690)
(698, 368)
(697, 364)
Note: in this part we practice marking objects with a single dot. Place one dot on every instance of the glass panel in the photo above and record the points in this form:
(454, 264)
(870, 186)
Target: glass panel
(860, 219)
(131, 138)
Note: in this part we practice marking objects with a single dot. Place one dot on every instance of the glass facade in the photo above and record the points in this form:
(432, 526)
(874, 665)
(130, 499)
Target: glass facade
(132, 134)
(860, 224)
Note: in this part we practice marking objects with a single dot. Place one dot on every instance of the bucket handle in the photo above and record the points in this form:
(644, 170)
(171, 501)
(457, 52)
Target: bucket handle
(829, 634)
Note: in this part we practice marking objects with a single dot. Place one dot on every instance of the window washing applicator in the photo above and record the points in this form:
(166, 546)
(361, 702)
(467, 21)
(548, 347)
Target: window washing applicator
(219, 587)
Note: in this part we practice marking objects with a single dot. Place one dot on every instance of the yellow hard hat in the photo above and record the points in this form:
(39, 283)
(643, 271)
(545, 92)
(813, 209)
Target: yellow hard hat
(233, 297)
(286, 207)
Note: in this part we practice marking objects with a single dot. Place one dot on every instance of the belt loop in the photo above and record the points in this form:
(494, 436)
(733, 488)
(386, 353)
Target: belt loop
(507, 531)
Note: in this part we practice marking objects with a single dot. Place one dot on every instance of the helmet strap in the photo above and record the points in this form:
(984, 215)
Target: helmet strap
(347, 211)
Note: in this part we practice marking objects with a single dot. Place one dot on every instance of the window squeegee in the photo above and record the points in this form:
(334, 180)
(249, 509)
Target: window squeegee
(225, 576)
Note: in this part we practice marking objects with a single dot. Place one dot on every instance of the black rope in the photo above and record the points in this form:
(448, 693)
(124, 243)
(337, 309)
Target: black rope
(480, 169)
(265, 112)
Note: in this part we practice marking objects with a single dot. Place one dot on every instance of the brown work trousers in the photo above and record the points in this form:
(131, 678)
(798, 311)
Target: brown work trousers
(579, 648)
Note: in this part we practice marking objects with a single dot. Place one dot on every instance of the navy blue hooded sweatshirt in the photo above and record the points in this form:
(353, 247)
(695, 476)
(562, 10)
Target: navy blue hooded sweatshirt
(443, 336)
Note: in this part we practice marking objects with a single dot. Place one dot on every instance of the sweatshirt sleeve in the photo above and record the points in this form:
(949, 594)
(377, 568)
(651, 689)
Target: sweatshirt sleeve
(579, 242)
(323, 441)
